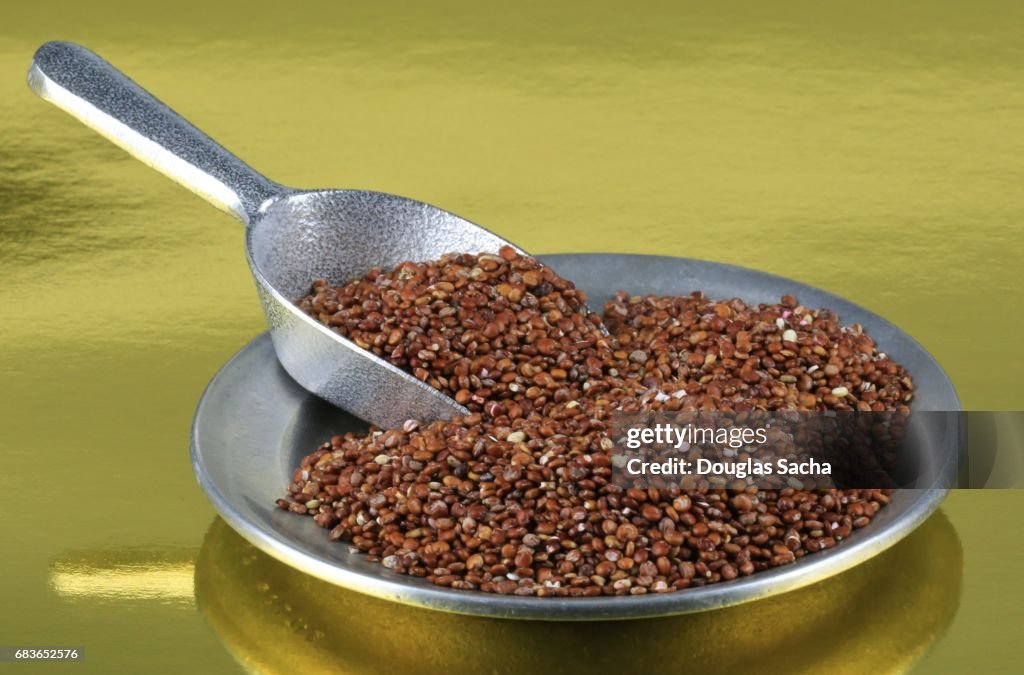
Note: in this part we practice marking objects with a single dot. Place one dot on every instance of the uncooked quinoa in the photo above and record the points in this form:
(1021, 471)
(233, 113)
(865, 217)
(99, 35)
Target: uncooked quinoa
(516, 497)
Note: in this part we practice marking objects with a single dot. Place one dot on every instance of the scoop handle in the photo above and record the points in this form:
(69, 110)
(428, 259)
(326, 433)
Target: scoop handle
(101, 97)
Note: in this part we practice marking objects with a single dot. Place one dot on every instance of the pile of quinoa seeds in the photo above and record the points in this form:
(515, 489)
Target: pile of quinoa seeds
(516, 497)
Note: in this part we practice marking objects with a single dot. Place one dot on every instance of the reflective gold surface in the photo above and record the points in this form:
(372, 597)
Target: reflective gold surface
(117, 575)
(875, 152)
(877, 618)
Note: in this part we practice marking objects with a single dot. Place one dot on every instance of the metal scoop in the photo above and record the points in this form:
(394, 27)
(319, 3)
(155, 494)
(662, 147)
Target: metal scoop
(292, 236)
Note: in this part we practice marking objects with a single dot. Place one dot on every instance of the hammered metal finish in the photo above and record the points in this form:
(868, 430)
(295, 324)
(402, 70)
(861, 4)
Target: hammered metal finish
(339, 235)
(293, 237)
(80, 82)
(254, 415)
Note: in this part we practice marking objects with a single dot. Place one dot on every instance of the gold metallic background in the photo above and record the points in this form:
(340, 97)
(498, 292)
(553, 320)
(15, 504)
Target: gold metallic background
(873, 149)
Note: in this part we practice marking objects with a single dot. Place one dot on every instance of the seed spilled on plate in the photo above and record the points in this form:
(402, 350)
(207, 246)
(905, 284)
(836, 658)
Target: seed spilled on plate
(517, 497)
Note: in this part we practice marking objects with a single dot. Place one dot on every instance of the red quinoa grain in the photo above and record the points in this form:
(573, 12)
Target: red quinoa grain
(516, 497)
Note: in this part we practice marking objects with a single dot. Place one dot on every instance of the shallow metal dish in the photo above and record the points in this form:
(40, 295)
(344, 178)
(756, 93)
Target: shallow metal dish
(254, 424)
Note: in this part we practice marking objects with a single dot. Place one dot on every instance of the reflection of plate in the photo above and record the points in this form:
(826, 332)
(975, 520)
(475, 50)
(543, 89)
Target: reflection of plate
(876, 618)
(254, 424)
